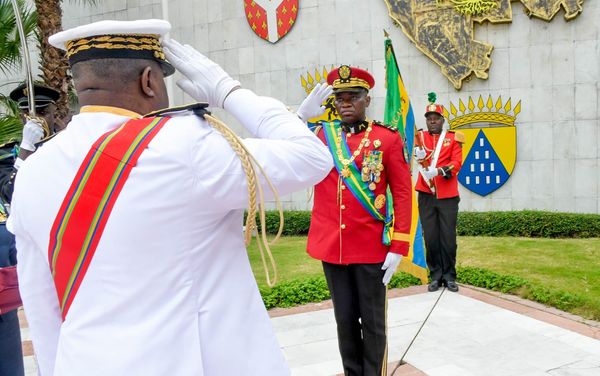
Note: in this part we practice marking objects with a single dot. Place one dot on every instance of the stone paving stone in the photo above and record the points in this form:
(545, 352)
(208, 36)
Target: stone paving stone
(473, 332)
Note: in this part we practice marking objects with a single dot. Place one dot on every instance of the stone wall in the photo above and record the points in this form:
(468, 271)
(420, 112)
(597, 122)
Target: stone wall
(552, 67)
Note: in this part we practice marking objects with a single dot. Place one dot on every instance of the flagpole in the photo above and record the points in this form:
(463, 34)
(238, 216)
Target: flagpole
(404, 146)
(387, 36)
(402, 89)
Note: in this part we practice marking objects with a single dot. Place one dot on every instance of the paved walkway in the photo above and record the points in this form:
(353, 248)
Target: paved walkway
(470, 333)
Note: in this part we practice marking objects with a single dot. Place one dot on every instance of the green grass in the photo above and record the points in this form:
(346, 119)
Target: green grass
(568, 267)
(291, 258)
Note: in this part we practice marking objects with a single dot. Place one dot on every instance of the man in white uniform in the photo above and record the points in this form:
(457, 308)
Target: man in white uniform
(169, 290)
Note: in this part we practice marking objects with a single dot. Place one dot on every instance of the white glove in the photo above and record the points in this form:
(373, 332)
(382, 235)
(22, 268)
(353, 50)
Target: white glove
(430, 173)
(392, 260)
(205, 80)
(312, 106)
(32, 134)
(420, 153)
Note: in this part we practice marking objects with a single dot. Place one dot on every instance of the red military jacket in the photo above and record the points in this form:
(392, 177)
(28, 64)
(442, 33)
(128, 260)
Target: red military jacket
(342, 231)
(450, 155)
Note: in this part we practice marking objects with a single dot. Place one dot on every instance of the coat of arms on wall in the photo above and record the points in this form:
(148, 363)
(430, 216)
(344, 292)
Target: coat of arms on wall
(443, 29)
(271, 19)
(490, 148)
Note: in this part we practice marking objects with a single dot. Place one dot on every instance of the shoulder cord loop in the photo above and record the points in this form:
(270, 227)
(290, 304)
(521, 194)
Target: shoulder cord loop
(249, 165)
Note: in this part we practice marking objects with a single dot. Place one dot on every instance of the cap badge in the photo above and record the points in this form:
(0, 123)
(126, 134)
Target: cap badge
(344, 71)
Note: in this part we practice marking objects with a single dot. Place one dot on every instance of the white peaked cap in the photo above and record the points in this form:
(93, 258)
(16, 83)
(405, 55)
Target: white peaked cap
(115, 39)
(110, 27)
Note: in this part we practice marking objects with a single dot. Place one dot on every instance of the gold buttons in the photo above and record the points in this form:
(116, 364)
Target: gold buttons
(343, 187)
(343, 207)
(343, 226)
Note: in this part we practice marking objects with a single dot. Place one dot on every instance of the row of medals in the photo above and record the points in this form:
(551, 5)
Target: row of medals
(372, 164)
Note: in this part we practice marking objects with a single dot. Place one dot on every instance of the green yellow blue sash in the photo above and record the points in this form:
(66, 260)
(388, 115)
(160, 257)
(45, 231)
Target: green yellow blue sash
(359, 189)
(87, 205)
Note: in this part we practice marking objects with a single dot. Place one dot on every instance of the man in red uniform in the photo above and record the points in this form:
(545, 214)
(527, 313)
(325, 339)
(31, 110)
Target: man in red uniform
(440, 159)
(359, 232)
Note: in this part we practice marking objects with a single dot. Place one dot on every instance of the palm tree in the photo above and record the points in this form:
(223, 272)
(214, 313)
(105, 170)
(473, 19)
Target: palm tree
(54, 63)
(10, 59)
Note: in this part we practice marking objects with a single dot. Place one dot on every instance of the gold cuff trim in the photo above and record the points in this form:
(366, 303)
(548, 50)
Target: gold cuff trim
(401, 237)
(111, 110)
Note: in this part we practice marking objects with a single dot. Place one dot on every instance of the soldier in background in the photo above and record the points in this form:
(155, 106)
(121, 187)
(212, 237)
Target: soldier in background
(35, 132)
(11, 157)
(440, 159)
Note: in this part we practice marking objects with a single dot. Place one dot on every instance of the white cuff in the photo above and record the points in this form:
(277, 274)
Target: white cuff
(27, 146)
(18, 163)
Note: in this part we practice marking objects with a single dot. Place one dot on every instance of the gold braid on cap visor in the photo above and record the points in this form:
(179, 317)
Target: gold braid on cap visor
(134, 42)
(350, 83)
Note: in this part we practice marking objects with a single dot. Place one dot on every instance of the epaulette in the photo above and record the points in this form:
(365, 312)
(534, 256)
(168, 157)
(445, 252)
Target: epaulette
(199, 109)
(458, 136)
(390, 127)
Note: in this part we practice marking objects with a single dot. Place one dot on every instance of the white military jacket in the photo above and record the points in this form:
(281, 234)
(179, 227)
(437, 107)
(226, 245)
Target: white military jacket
(169, 290)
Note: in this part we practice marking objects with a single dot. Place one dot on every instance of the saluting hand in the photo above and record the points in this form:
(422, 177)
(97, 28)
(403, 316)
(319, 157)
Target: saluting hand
(205, 80)
(312, 106)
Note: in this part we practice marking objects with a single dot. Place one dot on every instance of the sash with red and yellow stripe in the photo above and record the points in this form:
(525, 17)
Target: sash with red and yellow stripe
(87, 205)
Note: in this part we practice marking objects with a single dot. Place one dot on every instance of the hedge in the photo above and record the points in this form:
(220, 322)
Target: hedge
(302, 291)
(310, 290)
(535, 224)
(519, 286)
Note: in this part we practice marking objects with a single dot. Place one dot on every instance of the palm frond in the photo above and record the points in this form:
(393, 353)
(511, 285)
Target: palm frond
(11, 130)
(8, 106)
(10, 41)
(11, 127)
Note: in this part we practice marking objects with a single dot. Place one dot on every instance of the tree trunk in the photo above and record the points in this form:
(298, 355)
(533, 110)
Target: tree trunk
(54, 63)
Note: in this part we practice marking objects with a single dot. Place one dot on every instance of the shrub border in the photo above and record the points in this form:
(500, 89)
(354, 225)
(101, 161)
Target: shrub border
(526, 223)
(310, 290)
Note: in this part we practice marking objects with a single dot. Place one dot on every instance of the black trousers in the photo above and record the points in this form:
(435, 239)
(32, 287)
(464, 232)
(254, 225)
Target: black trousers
(438, 218)
(359, 303)
(11, 355)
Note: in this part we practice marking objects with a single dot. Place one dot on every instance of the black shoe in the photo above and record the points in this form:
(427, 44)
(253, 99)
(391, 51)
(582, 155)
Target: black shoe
(433, 286)
(452, 286)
